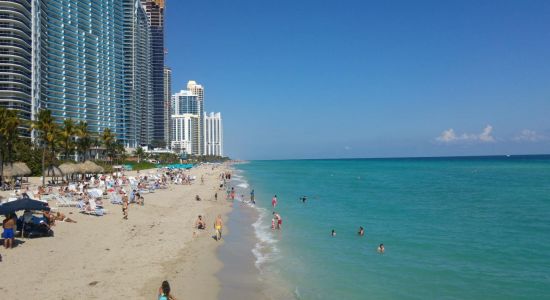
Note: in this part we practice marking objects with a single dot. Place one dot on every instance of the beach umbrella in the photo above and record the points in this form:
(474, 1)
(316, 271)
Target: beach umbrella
(22, 204)
(8, 170)
(91, 167)
(54, 171)
(68, 168)
(79, 168)
(22, 168)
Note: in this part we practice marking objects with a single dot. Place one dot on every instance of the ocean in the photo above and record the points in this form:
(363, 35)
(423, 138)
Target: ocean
(453, 228)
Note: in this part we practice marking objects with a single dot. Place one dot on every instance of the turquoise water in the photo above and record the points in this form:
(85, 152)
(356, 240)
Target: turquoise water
(456, 228)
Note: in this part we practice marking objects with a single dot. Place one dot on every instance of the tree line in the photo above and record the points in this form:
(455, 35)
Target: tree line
(53, 142)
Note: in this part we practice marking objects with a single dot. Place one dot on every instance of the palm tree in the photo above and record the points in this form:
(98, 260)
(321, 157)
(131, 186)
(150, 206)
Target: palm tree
(9, 124)
(46, 133)
(84, 140)
(67, 133)
(108, 139)
(139, 153)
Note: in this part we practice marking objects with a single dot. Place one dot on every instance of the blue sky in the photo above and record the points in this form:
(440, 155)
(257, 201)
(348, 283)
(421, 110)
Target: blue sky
(335, 79)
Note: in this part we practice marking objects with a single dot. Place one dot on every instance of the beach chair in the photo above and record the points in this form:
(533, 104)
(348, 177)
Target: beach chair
(93, 209)
(116, 199)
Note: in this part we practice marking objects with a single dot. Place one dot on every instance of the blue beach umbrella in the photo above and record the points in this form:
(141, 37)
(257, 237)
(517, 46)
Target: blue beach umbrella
(22, 204)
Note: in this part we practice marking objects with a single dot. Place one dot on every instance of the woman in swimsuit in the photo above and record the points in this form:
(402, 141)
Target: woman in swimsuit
(218, 224)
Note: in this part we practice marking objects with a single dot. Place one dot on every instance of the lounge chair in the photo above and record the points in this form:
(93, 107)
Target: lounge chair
(116, 199)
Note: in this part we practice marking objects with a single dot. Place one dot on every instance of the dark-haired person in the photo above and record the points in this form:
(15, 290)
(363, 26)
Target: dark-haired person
(164, 292)
(9, 224)
(361, 231)
(381, 249)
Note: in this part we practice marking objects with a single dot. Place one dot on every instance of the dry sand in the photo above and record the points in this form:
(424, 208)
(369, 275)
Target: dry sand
(108, 257)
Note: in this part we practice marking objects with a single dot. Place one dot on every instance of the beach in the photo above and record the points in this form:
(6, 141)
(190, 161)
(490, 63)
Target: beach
(107, 257)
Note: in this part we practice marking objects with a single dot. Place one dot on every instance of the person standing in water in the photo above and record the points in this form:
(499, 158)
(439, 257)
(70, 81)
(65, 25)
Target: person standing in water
(333, 233)
(304, 199)
(218, 225)
(252, 197)
(381, 249)
(361, 231)
(274, 201)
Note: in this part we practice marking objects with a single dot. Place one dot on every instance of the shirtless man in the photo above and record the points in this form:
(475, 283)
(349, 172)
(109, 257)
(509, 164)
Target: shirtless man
(218, 225)
(199, 223)
(381, 249)
(9, 230)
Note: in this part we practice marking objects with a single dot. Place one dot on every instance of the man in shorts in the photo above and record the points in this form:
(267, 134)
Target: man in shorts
(9, 230)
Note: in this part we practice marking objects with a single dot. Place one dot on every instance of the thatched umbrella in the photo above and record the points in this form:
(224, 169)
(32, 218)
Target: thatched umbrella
(68, 168)
(91, 167)
(15, 169)
(54, 171)
(22, 168)
(8, 170)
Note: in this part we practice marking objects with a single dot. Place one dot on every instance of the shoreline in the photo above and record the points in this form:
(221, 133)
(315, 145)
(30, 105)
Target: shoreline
(107, 257)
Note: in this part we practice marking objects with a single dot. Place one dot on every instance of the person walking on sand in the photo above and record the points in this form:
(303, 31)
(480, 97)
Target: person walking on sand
(274, 201)
(164, 292)
(252, 197)
(125, 206)
(218, 225)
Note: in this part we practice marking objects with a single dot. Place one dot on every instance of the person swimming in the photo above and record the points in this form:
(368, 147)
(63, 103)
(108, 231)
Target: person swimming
(304, 199)
(361, 231)
(381, 249)
(333, 233)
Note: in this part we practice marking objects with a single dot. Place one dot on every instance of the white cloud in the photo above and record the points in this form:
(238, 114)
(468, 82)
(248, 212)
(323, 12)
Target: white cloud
(449, 136)
(486, 136)
(527, 135)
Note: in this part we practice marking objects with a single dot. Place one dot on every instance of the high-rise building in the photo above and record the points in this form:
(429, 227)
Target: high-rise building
(84, 62)
(198, 90)
(16, 57)
(155, 12)
(213, 134)
(137, 119)
(185, 135)
(167, 101)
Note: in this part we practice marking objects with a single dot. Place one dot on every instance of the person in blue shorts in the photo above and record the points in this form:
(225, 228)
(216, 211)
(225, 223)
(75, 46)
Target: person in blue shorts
(9, 230)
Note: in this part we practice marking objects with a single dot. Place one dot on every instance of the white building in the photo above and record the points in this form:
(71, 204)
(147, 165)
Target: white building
(213, 134)
(184, 123)
(184, 133)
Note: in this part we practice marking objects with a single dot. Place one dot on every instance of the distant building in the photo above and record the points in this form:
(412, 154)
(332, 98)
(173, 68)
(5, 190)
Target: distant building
(137, 117)
(213, 134)
(198, 90)
(155, 11)
(167, 102)
(185, 135)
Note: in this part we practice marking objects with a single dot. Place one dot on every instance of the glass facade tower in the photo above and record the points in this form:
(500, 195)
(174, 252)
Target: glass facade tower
(84, 62)
(137, 118)
(155, 12)
(16, 56)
